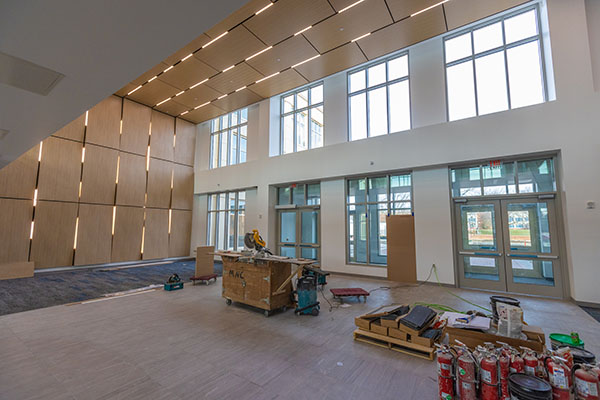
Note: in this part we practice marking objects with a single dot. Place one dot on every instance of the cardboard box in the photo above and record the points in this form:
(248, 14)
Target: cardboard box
(363, 323)
(377, 328)
(397, 333)
(536, 340)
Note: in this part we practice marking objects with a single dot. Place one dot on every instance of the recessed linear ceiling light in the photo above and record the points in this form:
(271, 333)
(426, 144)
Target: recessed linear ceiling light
(215, 39)
(228, 68)
(134, 90)
(429, 8)
(259, 53)
(168, 69)
(199, 83)
(201, 105)
(305, 61)
(350, 6)
(242, 88)
(153, 78)
(267, 77)
(180, 93)
(186, 57)
(263, 9)
(164, 101)
(185, 112)
(360, 37)
(222, 97)
(303, 30)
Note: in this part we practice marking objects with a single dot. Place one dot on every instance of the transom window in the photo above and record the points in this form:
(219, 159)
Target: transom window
(302, 119)
(228, 139)
(369, 201)
(299, 195)
(496, 66)
(379, 99)
(501, 178)
(226, 220)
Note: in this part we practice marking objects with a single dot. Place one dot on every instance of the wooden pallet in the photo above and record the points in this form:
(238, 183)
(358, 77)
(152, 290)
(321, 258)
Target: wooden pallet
(402, 346)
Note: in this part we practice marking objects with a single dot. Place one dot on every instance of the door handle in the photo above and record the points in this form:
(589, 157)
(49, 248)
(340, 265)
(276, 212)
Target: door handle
(466, 253)
(548, 257)
(523, 255)
(488, 254)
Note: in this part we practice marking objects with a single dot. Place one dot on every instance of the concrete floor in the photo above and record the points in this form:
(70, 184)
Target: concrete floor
(189, 344)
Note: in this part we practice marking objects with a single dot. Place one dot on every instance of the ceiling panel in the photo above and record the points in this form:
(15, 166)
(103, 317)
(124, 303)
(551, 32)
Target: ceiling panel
(172, 107)
(232, 48)
(149, 74)
(404, 8)
(462, 12)
(204, 114)
(283, 82)
(404, 33)
(337, 60)
(341, 4)
(227, 82)
(238, 100)
(198, 95)
(342, 28)
(153, 93)
(287, 17)
(285, 54)
(125, 89)
(187, 49)
(187, 73)
(236, 17)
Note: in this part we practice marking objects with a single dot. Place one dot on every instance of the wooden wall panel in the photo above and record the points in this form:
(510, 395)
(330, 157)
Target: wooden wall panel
(181, 231)
(183, 187)
(99, 174)
(54, 234)
(161, 141)
(15, 226)
(104, 121)
(73, 130)
(23, 269)
(159, 183)
(17, 179)
(459, 13)
(402, 255)
(94, 237)
(127, 242)
(156, 239)
(60, 170)
(131, 189)
(136, 127)
(185, 142)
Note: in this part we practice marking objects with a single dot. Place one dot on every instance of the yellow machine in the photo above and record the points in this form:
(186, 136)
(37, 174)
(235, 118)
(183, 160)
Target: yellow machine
(253, 240)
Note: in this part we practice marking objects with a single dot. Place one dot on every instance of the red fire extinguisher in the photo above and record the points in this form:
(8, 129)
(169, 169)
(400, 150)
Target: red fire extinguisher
(467, 371)
(587, 382)
(446, 378)
(489, 376)
(504, 365)
(530, 361)
(559, 375)
(517, 364)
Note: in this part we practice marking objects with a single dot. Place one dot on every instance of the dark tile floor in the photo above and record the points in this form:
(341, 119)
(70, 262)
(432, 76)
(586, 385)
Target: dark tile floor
(56, 288)
(594, 312)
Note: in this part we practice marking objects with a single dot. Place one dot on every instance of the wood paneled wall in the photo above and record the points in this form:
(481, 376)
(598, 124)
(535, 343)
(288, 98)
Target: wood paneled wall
(116, 184)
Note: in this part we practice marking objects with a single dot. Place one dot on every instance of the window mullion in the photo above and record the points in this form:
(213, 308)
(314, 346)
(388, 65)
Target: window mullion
(506, 66)
(474, 74)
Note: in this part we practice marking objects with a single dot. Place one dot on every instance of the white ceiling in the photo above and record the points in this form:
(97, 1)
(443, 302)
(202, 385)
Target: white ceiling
(98, 45)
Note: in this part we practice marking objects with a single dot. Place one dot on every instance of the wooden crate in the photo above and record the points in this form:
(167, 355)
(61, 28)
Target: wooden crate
(255, 283)
(536, 340)
(399, 345)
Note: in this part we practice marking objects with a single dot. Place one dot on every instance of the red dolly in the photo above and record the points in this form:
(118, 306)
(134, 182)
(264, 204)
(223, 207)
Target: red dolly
(349, 292)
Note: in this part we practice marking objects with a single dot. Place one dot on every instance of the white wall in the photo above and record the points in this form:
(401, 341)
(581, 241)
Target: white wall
(592, 8)
(568, 126)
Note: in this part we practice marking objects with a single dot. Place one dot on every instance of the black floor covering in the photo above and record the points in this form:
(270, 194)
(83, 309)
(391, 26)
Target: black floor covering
(594, 312)
(55, 288)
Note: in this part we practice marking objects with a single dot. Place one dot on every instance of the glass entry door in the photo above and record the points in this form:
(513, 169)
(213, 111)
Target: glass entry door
(509, 245)
(299, 233)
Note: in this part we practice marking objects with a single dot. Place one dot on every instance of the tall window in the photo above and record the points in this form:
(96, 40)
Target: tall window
(378, 98)
(499, 178)
(496, 66)
(369, 201)
(302, 119)
(226, 218)
(228, 139)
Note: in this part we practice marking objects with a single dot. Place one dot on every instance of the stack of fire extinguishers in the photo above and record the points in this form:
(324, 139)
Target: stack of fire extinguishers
(493, 372)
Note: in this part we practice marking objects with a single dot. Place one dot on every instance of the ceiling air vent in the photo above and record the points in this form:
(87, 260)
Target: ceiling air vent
(27, 75)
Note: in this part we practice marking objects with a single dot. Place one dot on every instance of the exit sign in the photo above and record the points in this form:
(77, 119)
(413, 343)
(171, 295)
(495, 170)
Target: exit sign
(495, 164)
